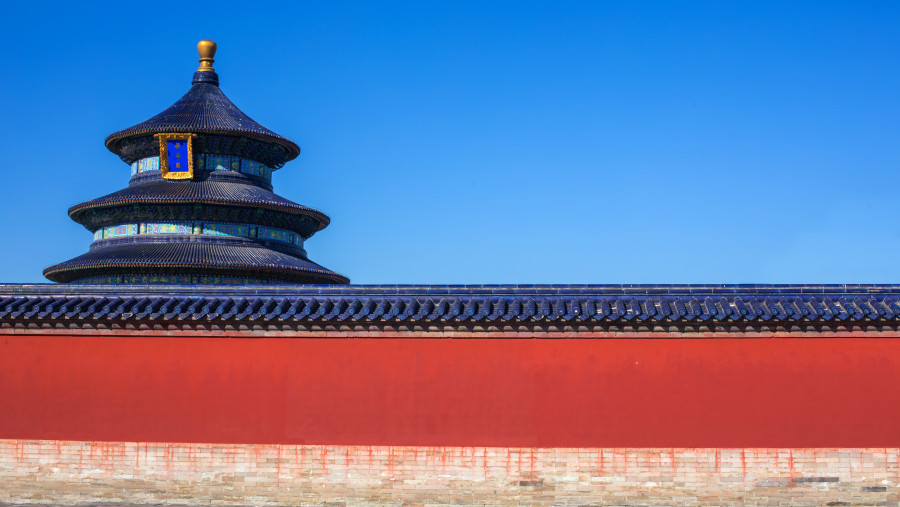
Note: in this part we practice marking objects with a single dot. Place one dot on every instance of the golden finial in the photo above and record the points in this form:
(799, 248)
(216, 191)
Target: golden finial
(207, 50)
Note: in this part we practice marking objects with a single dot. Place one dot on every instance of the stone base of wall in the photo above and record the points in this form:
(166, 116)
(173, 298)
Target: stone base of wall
(66, 472)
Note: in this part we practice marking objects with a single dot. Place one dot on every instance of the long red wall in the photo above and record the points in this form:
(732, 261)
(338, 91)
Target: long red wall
(743, 392)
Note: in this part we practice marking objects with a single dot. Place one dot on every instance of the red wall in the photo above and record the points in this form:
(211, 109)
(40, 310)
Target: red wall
(768, 392)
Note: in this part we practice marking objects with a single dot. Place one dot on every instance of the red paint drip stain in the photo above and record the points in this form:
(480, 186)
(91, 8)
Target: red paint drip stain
(791, 464)
(256, 450)
(323, 458)
(390, 463)
(743, 462)
(278, 464)
(170, 457)
(718, 459)
(104, 461)
(602, 462)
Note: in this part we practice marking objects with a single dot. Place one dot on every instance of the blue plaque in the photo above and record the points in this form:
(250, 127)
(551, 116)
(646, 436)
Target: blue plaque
(176, 156)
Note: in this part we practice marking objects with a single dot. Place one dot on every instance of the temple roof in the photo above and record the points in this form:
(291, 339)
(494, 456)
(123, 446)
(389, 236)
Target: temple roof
(604, 305)
(213, 255)
(217, 190)
(204, 109)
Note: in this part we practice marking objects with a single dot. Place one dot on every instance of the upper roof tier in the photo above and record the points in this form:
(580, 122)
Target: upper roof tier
(206, 111)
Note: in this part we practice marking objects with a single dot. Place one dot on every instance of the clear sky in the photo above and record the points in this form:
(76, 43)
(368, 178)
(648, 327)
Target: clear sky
(494, 142)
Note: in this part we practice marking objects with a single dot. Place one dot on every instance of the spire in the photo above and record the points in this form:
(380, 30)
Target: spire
(205, 73)
(207, 51)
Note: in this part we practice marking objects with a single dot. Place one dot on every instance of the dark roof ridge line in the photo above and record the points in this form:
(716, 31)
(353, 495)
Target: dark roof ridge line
(626, 310)
(173, 200)
(563, 290)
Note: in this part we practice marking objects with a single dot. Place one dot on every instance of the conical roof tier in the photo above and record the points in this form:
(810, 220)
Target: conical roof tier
(199, 207)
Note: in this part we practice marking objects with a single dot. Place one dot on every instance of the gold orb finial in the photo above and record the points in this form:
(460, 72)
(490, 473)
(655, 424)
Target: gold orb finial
(207, 50)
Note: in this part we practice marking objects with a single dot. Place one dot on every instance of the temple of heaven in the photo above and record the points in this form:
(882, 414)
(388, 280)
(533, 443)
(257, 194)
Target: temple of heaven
(198, 357)
(199, 208)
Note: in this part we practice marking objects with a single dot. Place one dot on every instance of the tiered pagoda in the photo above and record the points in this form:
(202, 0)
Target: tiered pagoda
(199, 207)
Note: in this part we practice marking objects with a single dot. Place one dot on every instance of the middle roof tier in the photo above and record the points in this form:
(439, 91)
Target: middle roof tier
(215, 196)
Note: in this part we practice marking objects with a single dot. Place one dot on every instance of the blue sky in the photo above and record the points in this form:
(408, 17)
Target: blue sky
(495, 142)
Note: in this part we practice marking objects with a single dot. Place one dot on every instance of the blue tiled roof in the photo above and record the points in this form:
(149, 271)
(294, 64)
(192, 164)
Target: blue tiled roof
(484, 304)
(209, 254)
(217, 190)
(204, 109)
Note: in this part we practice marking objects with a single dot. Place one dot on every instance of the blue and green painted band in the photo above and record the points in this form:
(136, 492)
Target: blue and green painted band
(177, 279)
(204, 162)
(209, 228)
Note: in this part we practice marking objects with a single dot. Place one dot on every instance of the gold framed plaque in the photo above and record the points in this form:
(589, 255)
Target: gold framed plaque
(176, 156)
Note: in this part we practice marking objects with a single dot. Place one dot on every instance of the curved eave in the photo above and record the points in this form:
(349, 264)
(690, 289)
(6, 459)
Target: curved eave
(195, 258)
(292, 149)
(67, 274)
(322, 219)
(217, 190)
(206, 110)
